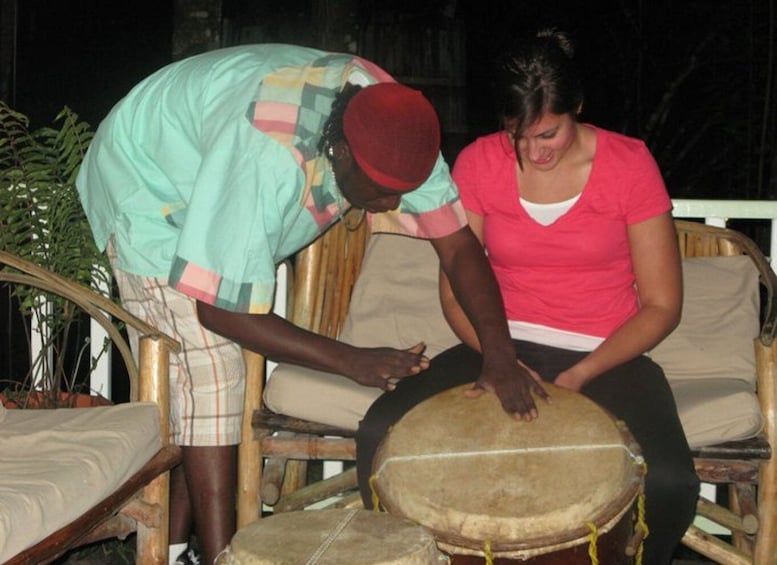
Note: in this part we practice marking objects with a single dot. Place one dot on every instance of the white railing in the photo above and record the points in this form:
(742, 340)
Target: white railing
(719, 212)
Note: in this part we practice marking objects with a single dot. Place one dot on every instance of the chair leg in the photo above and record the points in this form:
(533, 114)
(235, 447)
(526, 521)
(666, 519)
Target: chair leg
(742, 502)
(766, 544)
(273, 475)
(249, 477)
(709, 546)
(152, 541)
(296, 476)
(249, 452)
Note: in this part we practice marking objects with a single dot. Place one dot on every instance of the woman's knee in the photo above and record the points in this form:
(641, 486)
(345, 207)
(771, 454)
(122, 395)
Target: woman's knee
(673, 485)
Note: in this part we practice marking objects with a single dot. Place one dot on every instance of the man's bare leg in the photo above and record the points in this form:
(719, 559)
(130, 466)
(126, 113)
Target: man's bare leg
(180, 507)
(210, 478)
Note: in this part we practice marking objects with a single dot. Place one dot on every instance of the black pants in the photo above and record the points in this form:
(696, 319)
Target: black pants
(636, 392)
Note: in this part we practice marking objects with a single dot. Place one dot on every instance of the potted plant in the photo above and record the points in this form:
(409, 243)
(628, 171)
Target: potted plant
(42, 221)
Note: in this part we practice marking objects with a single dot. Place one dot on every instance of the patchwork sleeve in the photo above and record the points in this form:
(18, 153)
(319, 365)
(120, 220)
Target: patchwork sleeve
(432, 210)
(232, 230)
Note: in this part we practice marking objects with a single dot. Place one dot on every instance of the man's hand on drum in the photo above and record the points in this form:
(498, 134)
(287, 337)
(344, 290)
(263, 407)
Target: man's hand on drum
(382, 367)
(515, 386)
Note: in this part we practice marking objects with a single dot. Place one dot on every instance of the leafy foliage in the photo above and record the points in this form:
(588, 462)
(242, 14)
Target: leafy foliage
(42, 220)
(41, 217)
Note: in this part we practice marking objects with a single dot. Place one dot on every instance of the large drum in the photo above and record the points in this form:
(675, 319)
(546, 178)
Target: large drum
(561, 489)
(332, 537)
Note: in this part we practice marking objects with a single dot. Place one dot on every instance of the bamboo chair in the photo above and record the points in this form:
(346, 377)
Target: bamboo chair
(320, 284)
(141, 504)
(324, 276)
(748, 467)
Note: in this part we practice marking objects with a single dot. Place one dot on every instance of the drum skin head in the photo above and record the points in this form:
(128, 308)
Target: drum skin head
(473, 475)
(332, 537)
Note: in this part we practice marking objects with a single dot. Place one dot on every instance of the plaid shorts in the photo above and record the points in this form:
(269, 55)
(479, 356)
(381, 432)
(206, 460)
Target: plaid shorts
(207, 378)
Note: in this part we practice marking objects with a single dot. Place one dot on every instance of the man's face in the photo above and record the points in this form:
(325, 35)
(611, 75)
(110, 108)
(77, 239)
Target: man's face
(359, 189)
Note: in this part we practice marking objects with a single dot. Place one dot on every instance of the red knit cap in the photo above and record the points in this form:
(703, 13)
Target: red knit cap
(394, 135)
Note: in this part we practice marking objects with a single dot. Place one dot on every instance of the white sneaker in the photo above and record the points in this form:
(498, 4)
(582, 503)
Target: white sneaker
(188, 557)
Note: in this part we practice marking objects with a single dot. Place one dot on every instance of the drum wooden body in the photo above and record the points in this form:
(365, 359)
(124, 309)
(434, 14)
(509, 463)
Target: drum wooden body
(332, 537)
(487, 485)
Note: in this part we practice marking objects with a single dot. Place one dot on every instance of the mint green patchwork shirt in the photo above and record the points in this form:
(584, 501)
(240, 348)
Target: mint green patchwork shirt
(207, 173)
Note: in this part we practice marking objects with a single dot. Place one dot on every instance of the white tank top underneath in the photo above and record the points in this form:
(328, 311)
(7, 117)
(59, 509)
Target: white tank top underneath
(546, 214)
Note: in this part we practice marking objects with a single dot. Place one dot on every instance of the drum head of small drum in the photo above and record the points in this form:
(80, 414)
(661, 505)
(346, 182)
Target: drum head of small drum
(332, 537)
(473, 475)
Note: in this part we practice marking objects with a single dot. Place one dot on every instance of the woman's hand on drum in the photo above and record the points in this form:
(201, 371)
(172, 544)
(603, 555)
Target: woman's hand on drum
(514, 386)
(382, 367)
(571, 379)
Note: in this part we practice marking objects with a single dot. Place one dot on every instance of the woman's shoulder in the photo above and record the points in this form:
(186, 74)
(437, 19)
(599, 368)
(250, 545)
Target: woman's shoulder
(488, 148)
(613, 148)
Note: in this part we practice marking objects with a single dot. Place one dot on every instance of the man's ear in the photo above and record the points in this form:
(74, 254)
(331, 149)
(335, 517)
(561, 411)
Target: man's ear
(342, 151)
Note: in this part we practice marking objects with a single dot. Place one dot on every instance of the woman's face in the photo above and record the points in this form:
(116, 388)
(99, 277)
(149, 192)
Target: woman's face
(359, 189)
(545, 143)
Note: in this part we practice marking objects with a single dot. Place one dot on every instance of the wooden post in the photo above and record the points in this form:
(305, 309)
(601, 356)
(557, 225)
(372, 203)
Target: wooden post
(766, 544)
(249, 453)
(152, 542)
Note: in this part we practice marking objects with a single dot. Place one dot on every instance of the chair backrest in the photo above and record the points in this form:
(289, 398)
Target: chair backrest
(323, 276)
(700, 240)
(324, 273)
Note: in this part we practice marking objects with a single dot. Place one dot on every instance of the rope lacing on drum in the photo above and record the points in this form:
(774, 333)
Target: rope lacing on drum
(593, 539)
(487, 553)
(641, 522)
(374, 493)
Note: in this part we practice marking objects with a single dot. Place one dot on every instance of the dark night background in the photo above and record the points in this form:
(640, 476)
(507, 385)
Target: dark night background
(691, 77)
(694, 78)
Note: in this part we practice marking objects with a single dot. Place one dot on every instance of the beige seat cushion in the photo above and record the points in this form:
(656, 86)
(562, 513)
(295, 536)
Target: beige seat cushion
(395, 303)
(56, 464)
(717, 410)
(709, 359)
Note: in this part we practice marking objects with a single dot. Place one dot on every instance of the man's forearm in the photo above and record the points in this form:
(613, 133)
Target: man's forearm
(276, 338)
(475, 289)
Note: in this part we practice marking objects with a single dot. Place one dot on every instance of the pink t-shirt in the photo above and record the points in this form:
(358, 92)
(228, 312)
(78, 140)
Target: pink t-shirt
(575, 274)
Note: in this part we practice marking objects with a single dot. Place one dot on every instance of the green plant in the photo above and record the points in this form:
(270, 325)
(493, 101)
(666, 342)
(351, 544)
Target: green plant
(42, 220)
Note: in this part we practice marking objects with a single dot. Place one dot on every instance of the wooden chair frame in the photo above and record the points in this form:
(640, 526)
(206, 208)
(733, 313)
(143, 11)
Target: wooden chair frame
(320, 284)
(324, 274)
(141, 504)
(748, 468)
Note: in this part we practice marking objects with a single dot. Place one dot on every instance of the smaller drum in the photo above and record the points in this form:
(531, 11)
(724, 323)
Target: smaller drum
(332, 537)
(559, 489)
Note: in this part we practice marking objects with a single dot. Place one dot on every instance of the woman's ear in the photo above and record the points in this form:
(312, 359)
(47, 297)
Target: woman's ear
(511, 126)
